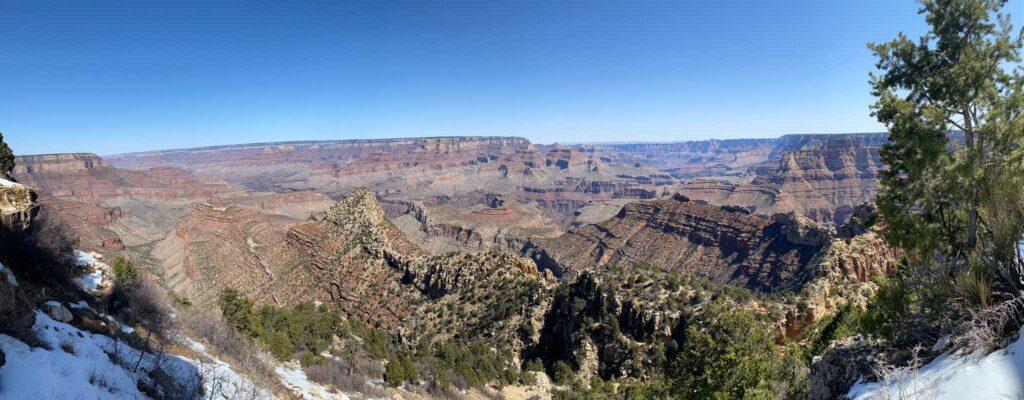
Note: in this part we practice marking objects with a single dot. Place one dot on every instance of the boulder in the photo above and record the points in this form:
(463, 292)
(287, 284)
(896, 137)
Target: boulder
(58, 312)
(845, 361)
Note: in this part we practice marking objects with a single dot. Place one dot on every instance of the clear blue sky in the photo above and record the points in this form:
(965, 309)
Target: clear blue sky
(111, 77)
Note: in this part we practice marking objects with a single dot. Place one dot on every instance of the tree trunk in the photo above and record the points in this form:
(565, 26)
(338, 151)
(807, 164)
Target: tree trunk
(972, 207)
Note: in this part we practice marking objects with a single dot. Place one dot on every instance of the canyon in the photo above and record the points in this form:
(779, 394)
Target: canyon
(469, 238)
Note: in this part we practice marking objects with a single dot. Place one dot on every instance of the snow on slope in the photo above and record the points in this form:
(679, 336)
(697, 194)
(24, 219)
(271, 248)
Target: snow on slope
(295, 379)
(91, 281)
(80, 364)
(999, 375)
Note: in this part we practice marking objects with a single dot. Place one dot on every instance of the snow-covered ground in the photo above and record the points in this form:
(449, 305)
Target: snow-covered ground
(998, 375)
(91, 281)
(10, 275)
(83, 259)
(96, 272)
(6, 183)
(295, 379)
(78, 364)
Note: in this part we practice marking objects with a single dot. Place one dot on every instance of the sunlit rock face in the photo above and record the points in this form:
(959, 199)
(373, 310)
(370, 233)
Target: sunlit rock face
(17, 206)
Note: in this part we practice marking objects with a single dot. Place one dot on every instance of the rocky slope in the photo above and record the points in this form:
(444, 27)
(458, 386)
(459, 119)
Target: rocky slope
(715, 243)
(820, 176)
(356, 260)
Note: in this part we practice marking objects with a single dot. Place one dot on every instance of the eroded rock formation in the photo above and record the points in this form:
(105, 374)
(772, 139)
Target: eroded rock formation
(17, 206)
(718, 244)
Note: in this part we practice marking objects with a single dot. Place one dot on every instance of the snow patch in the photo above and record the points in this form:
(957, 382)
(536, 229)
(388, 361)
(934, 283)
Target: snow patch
(7, 183)
(10, 275)
(295, 379)
(998, 375)
(91, 281)
(77, 364)
(83, 259)
(81, 304)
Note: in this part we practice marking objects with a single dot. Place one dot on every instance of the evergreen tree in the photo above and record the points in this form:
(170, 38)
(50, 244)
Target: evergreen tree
(6, 158)
(961, 78)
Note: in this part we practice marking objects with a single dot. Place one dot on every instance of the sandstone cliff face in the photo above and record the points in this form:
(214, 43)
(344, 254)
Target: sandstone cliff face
(87, 177)
(17, 206)
(820, 176)
(677, 234)
(842, 275)
(335, 151)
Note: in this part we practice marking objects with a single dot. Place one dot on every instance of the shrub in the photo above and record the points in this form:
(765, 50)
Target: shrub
(399, 370)
(563, 373)
(309, 359)
(237, 312)
(125, 270)
(346, 376)
(67, 345)
(728, 353)
(43, 252)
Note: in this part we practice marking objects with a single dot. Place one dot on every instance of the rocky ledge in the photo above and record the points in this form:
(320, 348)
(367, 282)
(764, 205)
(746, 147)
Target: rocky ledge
(17, 205)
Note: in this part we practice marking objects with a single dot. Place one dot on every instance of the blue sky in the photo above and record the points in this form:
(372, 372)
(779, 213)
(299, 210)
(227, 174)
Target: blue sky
(110, 77)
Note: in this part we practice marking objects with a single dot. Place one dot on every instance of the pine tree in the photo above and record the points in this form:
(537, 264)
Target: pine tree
(961, 78)
(6, 158)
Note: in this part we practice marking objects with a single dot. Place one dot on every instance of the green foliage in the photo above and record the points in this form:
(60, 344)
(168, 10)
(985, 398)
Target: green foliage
(728, 353)
(125, 270)
(562, 373)
(303, 329)
(890, 305)
(845, 323)
(736, 293)
(400, 370)
(375, 341)
(180, 301)
(6, 158)
(974, 284)
(237, 312)
(476, 362)
(309, 359)
(280, 345)
(963, 75)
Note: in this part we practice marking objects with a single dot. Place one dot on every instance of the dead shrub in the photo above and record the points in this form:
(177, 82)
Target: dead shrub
(227, 344)
(343, 376)
(67, 345)
(990, 327)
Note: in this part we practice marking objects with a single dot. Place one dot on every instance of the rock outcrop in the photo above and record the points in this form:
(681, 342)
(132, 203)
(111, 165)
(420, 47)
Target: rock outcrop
(17, 206)
(819, 176)
(612, 322)
(715, 243)
(845, 361)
